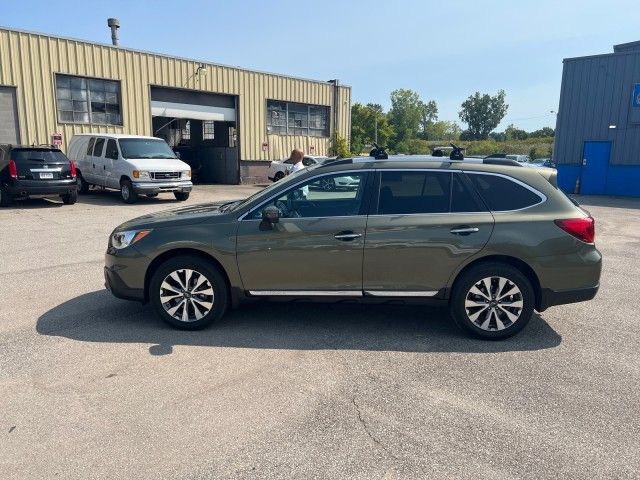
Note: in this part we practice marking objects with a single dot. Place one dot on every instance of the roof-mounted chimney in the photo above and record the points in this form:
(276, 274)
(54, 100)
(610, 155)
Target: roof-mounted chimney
(114, 25)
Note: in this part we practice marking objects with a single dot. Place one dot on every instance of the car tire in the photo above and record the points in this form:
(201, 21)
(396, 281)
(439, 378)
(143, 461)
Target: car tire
(192, 282)
(127, 193)
(83, 187)
(327, 184)
(69, 198)
(181, 196)
(6, 199)
(278, 176)
(492, 301)
(152, 195)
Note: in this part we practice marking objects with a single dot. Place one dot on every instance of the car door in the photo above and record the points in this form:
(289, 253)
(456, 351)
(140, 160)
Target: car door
(111, 164)
(97, 162)
(86, 164)
(315, 248)
(425, 224)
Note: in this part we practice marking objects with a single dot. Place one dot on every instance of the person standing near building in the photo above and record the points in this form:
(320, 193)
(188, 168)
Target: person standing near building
(296, 158)
(296, 161)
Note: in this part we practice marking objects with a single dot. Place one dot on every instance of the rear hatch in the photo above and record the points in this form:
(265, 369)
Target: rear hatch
(41, 164)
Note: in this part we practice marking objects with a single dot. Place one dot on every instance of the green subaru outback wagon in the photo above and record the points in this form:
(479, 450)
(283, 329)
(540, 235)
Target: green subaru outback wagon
(494, 242)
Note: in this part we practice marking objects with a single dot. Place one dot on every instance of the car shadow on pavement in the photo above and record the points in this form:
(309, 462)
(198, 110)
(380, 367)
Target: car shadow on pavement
(36, 203)
(112, 197)
(98, 317)
(607, 201)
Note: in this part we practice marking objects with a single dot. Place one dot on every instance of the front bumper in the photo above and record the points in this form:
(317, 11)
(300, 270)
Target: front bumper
(124, 273)
(145, 188)
(549, 298)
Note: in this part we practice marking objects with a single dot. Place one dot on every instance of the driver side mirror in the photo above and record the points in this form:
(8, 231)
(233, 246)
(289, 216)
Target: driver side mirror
(270, 216)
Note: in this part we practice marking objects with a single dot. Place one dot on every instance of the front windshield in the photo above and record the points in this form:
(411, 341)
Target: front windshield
(145, 148)
(266, 191)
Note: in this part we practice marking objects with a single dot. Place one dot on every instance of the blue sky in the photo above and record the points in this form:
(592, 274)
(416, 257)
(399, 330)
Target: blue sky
(445, 50)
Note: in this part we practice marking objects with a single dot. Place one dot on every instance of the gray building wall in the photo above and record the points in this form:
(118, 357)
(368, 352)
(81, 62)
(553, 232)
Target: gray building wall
(597, 92)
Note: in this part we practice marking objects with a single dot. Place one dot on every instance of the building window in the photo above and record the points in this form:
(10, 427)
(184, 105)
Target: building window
(207, 130)
(287, 118)
(186, 131)
(88, 100)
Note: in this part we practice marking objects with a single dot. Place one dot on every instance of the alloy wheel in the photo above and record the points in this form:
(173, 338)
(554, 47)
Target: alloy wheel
(125, 191)
(327, 184)
(187, 295)
(494, 303)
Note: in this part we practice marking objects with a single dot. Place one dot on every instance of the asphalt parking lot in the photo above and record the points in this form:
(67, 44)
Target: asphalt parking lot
(96, 387)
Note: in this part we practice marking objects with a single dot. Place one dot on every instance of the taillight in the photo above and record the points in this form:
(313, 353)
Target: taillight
(582, 228)
(73, 168)
(13, 169)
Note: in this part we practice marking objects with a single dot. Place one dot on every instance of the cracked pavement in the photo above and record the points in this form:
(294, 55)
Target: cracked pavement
(94, 387)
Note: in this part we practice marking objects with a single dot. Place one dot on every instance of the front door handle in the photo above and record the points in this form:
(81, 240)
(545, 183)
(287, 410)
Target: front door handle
(347, 236)
(464, 230)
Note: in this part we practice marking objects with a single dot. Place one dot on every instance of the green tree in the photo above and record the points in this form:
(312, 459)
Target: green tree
(339, 147)
(443, 130)
(364, 119)
(429, 114)
(543, 132)
(482, 113)
(405, 115)
(513, 133)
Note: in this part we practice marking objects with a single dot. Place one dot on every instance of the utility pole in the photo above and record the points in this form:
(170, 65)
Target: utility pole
(376, 128)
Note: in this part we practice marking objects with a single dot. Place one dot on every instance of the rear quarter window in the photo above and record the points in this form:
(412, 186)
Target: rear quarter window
(503, 194)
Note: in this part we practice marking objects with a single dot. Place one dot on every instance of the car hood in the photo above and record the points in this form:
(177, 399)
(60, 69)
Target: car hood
(176, 217)
(158, 164)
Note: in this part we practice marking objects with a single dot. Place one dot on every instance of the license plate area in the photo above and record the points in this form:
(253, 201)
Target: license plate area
(46, 176)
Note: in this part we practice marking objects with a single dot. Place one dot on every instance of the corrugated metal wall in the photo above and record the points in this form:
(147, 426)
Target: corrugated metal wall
(29, 62)
(596, 93)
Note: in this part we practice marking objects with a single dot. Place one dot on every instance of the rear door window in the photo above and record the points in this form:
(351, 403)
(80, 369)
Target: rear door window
(503, 194)
(90, 146)
(112, 150)
(99, 146)
(404, 193)
(463, 198)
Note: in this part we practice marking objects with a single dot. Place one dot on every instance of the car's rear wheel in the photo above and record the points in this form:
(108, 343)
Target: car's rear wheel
(6, 199)
(492, 300)
(70, 198)
(127, 193)
(278, 176)
(83, 187)
(188, 292)
(181, 196)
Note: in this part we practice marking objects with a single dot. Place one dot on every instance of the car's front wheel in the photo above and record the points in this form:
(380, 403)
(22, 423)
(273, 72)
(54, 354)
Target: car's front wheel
(188, 292)
(127, 193)
(327, 184)
(278, 176)
(181, 196)
(492, 300)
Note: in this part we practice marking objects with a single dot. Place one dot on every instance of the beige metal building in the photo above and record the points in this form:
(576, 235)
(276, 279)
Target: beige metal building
(226, 121)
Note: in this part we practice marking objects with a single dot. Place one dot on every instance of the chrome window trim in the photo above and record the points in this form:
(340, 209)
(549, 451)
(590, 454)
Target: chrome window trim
(398, 293)
(542, 196)
(345, 172)
(306, 293)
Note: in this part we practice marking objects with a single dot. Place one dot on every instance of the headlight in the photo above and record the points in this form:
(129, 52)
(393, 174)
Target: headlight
(141, 174)
(120, 240)
(186, 174)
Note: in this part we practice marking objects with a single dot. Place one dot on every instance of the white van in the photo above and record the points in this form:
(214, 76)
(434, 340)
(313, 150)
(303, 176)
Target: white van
(133, 164)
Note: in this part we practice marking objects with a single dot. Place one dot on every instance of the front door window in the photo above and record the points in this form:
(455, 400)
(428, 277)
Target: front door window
(337, 195)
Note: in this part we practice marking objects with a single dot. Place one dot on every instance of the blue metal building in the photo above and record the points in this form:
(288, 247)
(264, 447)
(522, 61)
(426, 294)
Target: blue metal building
(597, 143)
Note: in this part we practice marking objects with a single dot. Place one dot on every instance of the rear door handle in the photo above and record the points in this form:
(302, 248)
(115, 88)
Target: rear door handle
(347, 236)
(464, 230)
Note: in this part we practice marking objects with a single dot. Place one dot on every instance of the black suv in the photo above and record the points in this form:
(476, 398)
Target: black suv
(27, 171)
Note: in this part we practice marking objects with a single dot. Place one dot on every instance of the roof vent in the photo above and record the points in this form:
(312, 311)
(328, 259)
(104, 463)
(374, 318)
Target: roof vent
(114, 25)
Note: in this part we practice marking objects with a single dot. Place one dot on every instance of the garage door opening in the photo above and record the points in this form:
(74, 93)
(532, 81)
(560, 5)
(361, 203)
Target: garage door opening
(201, 129)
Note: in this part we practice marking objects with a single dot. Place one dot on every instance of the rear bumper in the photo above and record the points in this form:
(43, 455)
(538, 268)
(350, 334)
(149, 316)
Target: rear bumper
(145, 188)
(549, 298)
(21, 189)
